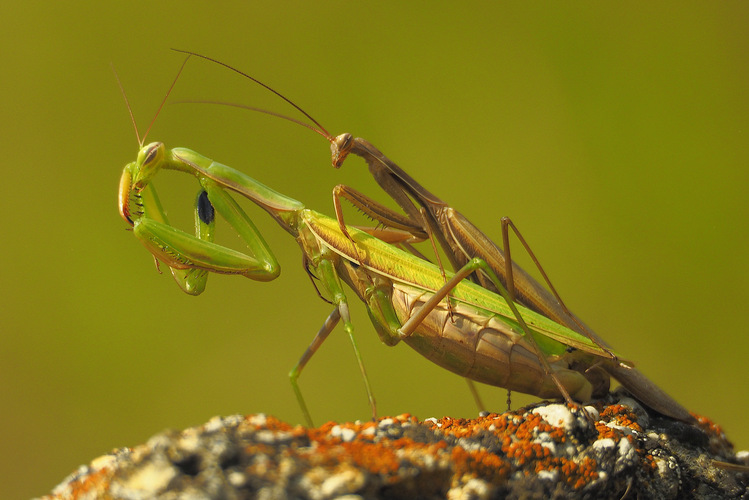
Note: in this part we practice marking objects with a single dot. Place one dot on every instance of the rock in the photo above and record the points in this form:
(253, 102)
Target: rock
(543, 451)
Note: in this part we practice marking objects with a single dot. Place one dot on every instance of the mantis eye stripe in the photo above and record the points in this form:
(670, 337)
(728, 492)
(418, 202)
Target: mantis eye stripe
(150, 155)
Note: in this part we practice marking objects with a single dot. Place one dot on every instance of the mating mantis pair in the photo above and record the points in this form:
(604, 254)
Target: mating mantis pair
(524, 339)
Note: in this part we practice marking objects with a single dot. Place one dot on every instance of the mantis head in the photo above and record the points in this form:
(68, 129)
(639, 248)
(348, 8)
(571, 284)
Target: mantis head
(340, 147)
(136, 176)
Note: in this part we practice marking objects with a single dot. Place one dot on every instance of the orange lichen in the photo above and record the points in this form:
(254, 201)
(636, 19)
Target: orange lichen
(95, 481)
(606, 432)
(517, 437)
(622, 416)
(373, 457)
(709, 426)
(480, 463)
(649, 461)
(578, 475)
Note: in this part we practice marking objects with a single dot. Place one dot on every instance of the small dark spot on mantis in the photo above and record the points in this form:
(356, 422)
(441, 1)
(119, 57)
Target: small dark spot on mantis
(205, 208)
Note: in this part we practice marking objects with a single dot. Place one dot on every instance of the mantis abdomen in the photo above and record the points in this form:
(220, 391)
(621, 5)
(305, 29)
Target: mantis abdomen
(477, 345)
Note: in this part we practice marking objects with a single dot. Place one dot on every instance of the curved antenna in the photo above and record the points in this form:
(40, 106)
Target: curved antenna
(158, 111)
(325, 133)
(127, 103)
(259, 110)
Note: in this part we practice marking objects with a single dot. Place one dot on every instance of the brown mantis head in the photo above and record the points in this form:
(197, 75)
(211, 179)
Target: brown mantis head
(340, 147)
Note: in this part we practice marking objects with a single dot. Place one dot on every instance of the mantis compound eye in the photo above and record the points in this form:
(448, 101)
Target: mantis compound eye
(151, 153)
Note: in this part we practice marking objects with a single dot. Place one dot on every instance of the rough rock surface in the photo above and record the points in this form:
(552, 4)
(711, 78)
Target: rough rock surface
(543, 451)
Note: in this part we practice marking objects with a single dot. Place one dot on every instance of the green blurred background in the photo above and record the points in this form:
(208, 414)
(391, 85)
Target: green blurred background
(615, 137)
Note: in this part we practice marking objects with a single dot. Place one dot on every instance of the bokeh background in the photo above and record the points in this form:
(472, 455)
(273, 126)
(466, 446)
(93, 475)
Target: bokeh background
(616, 136)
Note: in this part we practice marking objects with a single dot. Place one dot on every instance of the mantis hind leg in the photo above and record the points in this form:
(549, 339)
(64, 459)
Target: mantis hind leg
(571, 320)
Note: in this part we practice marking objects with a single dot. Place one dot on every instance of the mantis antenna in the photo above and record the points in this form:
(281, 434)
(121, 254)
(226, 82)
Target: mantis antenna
(142, 140)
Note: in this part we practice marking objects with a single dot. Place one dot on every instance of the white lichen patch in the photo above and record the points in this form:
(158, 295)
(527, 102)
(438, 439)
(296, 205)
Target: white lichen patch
(343, 433)
(236, 479)
(270, 437)
(341, 482)
(153, 477)
(105, 460)
(218, 423)
(604, 444)
(556, 415)
(369, 431)
(259, 420)
(473, 489)
(548, 475)
(348, 435)
(433, 421)
(627, 450)
(190, 441)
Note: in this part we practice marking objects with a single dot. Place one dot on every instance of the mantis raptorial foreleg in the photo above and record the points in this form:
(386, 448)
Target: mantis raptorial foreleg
(191, 280)
(180, 250)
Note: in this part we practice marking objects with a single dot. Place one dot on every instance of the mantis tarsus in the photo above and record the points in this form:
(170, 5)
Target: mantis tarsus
(462, 242)
(493, 339)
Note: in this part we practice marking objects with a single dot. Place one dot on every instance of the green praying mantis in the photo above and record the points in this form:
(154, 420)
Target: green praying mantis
(489, 338)
(427, 215)
(483, 335)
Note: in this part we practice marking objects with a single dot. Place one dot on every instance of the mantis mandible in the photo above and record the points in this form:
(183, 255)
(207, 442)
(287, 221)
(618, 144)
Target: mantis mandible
(462, 241)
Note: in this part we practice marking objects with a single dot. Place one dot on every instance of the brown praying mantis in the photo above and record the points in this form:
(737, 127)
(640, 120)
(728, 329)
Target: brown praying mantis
(426, 214)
